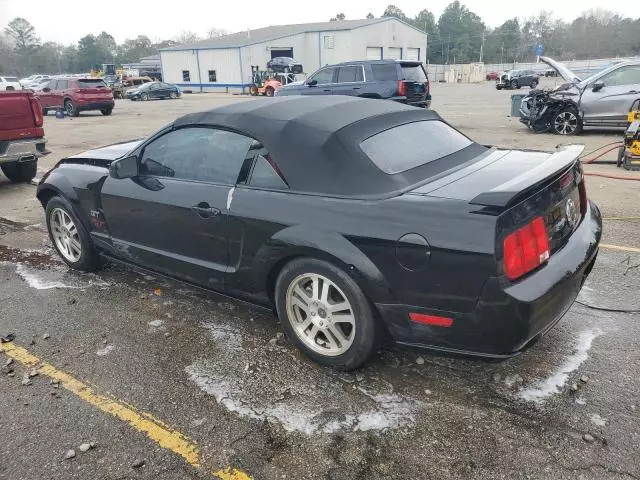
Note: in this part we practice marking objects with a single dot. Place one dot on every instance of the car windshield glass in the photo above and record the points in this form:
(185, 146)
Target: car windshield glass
(414, 73)
(410, 145)
(592, 78)
(91, 83)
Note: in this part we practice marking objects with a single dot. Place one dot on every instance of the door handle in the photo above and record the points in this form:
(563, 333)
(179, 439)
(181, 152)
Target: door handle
(204, 210)
(356, 88)
(326, 90)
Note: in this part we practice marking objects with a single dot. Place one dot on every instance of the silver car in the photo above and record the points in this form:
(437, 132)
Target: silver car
(599, 101)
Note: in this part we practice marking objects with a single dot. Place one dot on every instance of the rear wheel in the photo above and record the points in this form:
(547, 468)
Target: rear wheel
(69, 236)
(106, 111)
(567, 122)
(70, 108)
(325, 313)
(20, 172)
(269, 91)
(498, 87)
(534, 84)
(9, 89)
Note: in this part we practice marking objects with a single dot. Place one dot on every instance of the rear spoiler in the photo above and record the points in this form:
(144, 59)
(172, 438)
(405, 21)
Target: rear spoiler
(504, 194)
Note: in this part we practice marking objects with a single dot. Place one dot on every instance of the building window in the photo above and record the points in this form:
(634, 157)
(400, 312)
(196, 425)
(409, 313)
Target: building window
(212, 76)
(186, 76)
(328, 41)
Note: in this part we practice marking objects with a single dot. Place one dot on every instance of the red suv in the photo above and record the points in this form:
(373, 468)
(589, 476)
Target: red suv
(76, 95)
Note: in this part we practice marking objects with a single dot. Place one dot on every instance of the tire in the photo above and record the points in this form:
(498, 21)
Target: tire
(144, 96)
(567, 122)
(10, 89)
(106, 111)
(269, 91)
(70, 108)
(173, 95)
(514, 84)
(620, 159)
(344, 345)
(534, 84)
(87, 260)
(498, 87)
(22, 172)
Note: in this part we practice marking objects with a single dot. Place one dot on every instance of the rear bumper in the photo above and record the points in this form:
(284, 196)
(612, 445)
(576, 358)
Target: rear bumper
(422, 103)
(508, 318)
(22, 150)
(82, 107)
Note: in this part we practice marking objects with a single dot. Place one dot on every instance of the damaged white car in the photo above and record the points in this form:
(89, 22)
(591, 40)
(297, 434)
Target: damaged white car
(599, 101)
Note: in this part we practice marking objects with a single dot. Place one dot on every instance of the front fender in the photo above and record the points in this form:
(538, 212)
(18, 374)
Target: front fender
(301, 241)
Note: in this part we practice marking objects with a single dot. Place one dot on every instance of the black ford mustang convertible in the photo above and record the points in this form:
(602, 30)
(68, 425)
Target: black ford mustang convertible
(354, 218)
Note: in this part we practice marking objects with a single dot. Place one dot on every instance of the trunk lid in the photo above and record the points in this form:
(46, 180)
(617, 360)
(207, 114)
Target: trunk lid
(416, 82)
(518, 186)
(93, 89)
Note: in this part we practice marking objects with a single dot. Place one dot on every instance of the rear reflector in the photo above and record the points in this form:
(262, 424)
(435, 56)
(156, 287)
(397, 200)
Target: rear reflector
(401, 88)
(36, 110)
(526, 249)
(434, 320)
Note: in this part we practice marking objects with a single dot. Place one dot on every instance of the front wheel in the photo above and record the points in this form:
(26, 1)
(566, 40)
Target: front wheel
(173, 95)
(514, 84)
(70, 108)
(567, 122)
(21, 172)
(325, 313)
(534, 84)
(269, 92)
(144, 96)
(69, 236)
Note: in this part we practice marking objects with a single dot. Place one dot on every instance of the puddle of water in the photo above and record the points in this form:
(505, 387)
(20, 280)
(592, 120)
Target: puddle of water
(57, 278)
(295, 393)
(552, 384)
(105, 351)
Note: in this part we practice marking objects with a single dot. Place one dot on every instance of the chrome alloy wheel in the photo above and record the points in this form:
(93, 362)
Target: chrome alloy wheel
(65, 235)
(565, 123)
(320, 314)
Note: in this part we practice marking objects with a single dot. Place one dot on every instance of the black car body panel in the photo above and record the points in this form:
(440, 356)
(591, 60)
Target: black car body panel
(368, 79)
(284, 65)
(153, 90)
(409, 241)
(517, 79)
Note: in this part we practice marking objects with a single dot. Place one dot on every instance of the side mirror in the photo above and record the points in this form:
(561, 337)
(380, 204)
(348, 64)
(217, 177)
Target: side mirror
(312, 83)
(597, 86)
(46, 89)
(124, 168)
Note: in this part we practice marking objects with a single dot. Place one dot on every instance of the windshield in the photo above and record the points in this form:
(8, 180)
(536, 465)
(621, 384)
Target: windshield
(91, 83)
(592, 78)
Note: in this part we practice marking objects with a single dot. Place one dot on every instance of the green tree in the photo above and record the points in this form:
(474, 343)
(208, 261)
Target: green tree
(23, 35)
(503, 43)
(462, 32)
(370, 16)
(133, 49)
(393, 11)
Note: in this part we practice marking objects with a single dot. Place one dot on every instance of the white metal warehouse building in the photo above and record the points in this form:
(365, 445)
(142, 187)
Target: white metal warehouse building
(224, 63)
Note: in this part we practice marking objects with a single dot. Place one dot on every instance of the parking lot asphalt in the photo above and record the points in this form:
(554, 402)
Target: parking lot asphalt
(169, 382)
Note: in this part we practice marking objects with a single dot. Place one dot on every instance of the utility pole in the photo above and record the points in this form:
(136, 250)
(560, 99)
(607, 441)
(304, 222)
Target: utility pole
(426, 47)
(502, 56)
(482, 47)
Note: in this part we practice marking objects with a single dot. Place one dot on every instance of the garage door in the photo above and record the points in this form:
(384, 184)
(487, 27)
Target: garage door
(413, 54)
(374, 53)
(393, 53)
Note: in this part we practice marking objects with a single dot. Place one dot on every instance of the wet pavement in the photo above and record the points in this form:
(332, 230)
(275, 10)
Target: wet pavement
(224, 376)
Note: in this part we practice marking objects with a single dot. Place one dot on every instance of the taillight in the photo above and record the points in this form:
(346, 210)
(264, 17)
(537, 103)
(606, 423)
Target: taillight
(36, 109)
(401, 88)
(526, 249)
(582, 190)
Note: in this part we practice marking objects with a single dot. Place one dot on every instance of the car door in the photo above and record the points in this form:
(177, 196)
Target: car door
(173, 217)
(609, 105)
(165, 89)
(58, 94)
(322, 82)
(349, 80)
(154, 90)
(46, 94)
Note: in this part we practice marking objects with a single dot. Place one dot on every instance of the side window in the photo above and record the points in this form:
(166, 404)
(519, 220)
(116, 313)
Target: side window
(350, 74)
(186, 76)
(623, 76)
(265, 173)
(153, 86)
(194, 153)
(384, 72)
(137, 82)
(324, 76)
(212, 76)
(62, 85)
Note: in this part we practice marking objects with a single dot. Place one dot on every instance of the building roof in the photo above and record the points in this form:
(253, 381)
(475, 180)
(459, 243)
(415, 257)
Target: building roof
(251, 37)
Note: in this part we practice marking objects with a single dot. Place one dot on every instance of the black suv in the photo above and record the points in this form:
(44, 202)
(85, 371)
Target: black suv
(399, 80)
(517, 78)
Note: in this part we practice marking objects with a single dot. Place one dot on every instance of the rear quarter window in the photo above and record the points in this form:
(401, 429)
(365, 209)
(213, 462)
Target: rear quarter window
(411, 145)
(384, 72)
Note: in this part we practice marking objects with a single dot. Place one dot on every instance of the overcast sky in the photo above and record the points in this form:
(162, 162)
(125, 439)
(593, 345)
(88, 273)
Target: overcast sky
(65, 21)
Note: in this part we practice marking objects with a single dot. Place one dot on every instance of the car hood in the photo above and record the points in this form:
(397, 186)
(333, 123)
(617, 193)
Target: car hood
(110, 152)
(562, 70)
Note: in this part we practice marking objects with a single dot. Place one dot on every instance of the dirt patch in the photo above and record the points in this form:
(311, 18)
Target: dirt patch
(31, 258)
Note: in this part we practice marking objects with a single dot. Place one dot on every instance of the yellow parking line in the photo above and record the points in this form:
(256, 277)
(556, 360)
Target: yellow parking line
(143, 422)
(620, 248)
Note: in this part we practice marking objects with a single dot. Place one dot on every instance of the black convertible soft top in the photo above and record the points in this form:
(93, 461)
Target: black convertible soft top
(315, 140)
